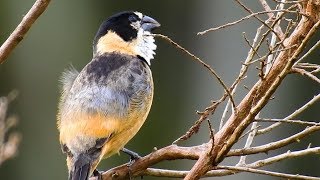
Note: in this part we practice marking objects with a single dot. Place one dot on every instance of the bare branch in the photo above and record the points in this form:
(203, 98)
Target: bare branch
(167, 153)
(306, 123)
(242, 19)
(249, 141)
(306, 73)
(287, 155)
(314, 47)
(279, 36)
(125, 172)
(274, 39)
(274, 145)
(291, 116)
(203, 116)
(243, 71)
(266, 6)
(182, 174)
(290, 2)
(269, 173)
(21, 30)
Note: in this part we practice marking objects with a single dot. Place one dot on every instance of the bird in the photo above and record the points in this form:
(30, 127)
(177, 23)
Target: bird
(105, 104)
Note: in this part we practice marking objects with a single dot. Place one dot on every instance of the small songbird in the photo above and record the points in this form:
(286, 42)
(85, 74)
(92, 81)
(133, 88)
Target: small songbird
(104, 105)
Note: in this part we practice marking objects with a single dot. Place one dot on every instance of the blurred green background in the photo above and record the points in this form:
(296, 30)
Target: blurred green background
(63, 36)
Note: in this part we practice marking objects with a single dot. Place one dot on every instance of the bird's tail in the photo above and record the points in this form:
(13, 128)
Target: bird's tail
(81, 169)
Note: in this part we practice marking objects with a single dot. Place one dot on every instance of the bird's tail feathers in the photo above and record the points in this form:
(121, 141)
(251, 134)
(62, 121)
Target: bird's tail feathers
(81, 169)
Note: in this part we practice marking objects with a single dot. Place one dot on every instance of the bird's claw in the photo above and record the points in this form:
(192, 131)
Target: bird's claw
(133, 155)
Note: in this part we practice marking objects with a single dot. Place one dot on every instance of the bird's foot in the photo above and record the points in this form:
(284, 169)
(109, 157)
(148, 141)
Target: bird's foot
(133, 155)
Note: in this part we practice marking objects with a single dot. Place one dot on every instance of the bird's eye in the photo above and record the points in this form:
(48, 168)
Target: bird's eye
(133, 18)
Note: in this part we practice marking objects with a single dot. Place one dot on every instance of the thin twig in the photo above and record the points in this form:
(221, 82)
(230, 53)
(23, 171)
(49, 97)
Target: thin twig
(306, 73)
(266, 7)
(257, 44)
(291, 116)
(211, 133)
(285, 156)
(249, 141)
(290, 2)
(248, 42)
(315, 67)
(242, 73)
(269, 173)
(274, 39)
(21, 30)
(263, 58)
(165, 173)
(308, 53)
(279, 36)
(204, 115)
(274, 145)
(306, 123)
(201, 62)
(248, 132)
(242, 19)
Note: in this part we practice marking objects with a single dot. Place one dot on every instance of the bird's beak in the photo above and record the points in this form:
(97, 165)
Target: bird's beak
(149, 24)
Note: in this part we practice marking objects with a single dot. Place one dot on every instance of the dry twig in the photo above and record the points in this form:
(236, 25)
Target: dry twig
(21, 30)
(8, 141)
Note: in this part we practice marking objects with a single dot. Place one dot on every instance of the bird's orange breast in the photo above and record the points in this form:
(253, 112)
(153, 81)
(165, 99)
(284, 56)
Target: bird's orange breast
(87, 125)
(120, 129)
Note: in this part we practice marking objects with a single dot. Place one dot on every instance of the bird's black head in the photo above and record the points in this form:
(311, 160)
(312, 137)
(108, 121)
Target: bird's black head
(126, 32)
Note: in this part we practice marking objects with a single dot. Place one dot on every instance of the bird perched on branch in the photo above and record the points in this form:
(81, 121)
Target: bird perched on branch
(103, 106)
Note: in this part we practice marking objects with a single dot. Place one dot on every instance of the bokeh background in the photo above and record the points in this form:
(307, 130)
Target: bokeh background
(62, 37)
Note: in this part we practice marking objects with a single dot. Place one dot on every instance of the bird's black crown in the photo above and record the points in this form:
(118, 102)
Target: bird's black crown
(127, 33)
(121, 24)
